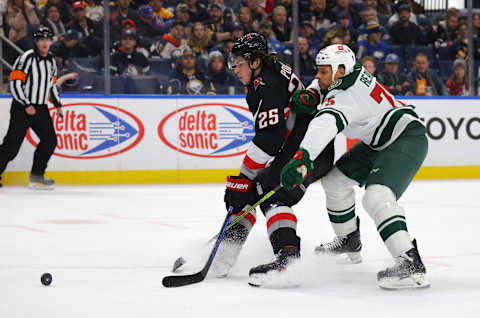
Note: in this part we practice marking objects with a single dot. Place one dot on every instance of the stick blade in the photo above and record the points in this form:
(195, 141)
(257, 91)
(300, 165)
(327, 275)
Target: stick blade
(182, 280)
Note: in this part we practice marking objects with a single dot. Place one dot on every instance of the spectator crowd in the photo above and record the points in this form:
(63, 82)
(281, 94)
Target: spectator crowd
(183, 46)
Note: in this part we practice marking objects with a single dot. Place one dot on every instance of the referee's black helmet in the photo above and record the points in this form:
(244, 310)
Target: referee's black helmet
(43, 32)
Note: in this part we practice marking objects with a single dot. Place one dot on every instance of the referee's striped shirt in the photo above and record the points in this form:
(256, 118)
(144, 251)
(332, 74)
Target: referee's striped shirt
(32, 81)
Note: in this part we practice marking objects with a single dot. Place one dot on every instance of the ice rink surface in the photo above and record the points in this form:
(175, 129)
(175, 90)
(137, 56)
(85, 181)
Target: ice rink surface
(109, 247)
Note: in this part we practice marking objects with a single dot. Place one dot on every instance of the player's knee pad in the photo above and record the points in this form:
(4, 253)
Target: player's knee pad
(379, 201)
(338, 189)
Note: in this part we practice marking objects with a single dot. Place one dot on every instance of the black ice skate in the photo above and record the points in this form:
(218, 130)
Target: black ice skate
(268, 274)
(408, 272)
(41, 183)
(349, 245)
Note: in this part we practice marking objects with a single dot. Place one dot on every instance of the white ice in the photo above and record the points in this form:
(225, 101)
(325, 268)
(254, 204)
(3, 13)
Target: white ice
(109, 247)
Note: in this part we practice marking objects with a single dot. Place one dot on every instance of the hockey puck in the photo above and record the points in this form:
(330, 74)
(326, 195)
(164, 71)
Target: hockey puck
(46, 279)
(179, 262)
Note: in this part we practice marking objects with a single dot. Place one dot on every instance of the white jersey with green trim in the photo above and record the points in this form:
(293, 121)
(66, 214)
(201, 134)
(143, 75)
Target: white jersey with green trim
(359, 107)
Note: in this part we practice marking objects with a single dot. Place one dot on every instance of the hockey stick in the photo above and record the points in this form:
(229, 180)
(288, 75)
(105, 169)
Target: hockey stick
(250, 209)
(182, 280)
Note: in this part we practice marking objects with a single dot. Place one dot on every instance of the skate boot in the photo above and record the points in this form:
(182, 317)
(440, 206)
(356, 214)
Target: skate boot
(267, 274)
(41, 183)
(349, 244)
(408, 272)
(229, 250)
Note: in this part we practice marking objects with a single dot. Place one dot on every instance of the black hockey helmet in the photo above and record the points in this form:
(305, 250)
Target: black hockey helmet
(43, 32)
(249, 44)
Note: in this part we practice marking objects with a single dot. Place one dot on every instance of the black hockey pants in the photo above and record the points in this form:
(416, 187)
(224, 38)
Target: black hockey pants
(41, 123)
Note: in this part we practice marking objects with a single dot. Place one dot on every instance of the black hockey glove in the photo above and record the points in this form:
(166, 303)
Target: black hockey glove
(239, 192)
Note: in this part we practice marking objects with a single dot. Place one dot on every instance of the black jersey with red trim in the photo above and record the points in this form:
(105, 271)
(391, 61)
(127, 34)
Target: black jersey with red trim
(268, 98)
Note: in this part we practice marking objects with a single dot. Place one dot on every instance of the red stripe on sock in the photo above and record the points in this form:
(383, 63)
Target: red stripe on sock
(248, 217)
(250, 164)
(281, 216)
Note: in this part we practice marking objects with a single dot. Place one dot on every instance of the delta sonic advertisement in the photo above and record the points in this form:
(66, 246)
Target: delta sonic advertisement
(208, 131)
(93, 131)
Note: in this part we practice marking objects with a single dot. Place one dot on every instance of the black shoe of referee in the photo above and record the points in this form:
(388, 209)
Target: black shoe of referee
(38, 182)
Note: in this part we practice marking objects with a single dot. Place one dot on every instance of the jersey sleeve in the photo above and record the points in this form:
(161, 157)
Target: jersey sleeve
(333, 116)
(270, 130)
(18, 77)
(55, 97)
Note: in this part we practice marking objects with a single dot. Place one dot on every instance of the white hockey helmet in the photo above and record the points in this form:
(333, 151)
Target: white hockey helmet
(336, 55)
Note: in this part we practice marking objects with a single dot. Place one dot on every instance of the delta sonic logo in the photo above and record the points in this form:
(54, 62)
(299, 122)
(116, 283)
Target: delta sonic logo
(92, 131)
(210, 130)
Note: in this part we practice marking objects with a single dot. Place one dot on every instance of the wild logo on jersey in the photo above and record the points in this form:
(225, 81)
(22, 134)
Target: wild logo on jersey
(213, 130)
(90, 131)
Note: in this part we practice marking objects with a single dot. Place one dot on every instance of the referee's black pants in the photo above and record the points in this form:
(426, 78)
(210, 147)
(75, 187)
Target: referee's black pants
(41, 123)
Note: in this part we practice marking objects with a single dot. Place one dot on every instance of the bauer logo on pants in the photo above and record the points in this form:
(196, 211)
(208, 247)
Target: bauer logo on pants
(212, 130)
(91, 131)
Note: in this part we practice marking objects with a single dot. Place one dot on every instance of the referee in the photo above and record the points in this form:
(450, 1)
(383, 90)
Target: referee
(32, 83)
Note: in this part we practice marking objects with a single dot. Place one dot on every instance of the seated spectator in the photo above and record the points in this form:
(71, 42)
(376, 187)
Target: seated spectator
(221, 29)
(227, 48)
(370, 64)
(127, 61)
(396, 14)
(245, 18)
(172, 44)
(322, 20)
(148, 27)
(397, 83)
(308, 32)
(476, 24)
(280, 25)
(372, 6)
(259, 12)
(198, 11)
(218, 76)
(142, 45)
(91, 31)
(445, 31)
(351, 34)
(266, 7)
(126, 12)
(186, 78)
(64, 8)
(274, 45)
(20, 14)
(182, 14)
(370, 14)
(94, 10)
(459, 47)
(336, 35)
(53, 21)
(457, 84)
(373, 45)
(425, 82)
(115, 27)
(384, 7)
(308, 66)
(200, 40)
(71, 45)
(238, 31)
(162, 13)
(344, 5)
(404, 32)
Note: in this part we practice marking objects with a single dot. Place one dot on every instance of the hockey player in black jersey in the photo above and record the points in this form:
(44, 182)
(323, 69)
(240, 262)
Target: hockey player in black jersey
(269, 85)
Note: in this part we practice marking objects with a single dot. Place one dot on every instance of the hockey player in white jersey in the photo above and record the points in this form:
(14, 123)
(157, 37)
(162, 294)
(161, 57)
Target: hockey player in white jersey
(391, 149)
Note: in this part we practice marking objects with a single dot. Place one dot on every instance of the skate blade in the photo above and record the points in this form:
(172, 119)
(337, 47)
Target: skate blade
(412, 282)
(273, 280)
(343, 258)
(40, 186)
